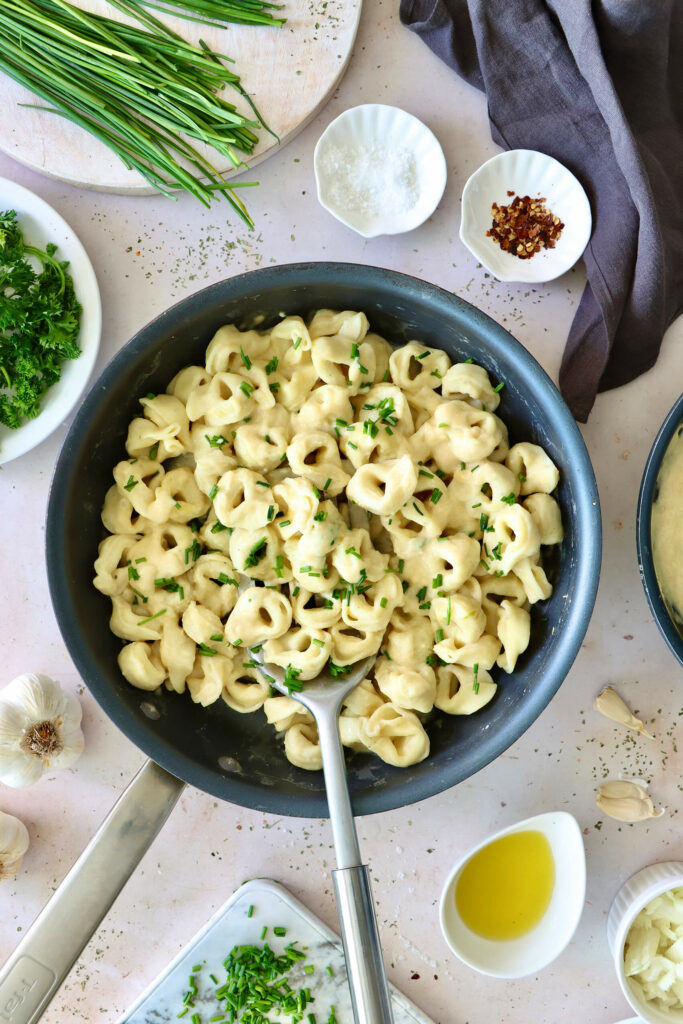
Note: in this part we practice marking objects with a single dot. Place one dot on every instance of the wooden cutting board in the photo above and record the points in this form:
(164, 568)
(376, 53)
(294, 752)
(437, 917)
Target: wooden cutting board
(290, 72)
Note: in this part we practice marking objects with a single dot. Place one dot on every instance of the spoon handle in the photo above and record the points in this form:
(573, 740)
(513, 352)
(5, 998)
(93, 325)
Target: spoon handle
(367, 980)
(365, 968)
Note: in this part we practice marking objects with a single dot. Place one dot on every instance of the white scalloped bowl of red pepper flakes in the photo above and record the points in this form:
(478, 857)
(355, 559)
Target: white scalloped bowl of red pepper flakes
(525, 217)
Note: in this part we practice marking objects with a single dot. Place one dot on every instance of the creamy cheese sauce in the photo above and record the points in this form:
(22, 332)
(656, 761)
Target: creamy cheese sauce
(666, 528)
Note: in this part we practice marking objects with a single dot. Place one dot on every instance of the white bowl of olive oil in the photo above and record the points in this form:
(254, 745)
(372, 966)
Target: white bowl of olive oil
(512, 904)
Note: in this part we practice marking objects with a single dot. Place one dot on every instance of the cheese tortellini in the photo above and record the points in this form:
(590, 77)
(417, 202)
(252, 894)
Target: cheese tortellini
(319, 493)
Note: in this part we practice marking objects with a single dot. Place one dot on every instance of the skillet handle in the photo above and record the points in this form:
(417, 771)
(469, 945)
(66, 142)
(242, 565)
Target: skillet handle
(48, 951)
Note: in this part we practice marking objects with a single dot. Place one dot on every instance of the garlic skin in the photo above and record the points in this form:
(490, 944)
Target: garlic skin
(13, 844)
(611, 705)
(40, 729)
(626, 801)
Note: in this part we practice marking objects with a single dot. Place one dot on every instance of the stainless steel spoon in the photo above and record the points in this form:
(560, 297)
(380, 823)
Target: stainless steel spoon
(323, 697)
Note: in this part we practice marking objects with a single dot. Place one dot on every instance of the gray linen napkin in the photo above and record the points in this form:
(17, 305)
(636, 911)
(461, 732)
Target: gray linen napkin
(599, 87)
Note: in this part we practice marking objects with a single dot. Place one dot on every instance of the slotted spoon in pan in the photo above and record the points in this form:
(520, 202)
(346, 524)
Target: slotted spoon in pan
(323, 697)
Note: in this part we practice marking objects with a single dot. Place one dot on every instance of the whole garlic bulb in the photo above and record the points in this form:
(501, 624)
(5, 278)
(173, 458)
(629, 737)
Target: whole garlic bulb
(13, 844)
(40, 729)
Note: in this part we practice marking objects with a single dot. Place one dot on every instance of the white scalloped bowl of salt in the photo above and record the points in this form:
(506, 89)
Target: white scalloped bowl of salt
(379, 170)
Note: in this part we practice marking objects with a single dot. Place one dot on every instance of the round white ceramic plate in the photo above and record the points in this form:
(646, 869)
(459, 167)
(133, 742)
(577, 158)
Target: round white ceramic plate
(41, 224)
(525, 173)
(379, 149)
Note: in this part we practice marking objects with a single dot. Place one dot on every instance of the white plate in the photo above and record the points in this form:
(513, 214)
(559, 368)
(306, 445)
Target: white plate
(525, 172)
(381, 149)
(41, 224)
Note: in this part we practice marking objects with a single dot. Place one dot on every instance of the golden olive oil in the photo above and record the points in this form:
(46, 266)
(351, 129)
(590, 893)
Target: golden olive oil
(504, 889)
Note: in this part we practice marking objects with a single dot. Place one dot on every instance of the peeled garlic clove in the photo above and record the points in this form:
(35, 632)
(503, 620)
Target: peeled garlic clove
(40, 729)
(13, 844)
(626, 801)
(610, 704)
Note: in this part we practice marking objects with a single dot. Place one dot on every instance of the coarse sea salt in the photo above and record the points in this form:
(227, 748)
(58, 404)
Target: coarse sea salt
(372, 180)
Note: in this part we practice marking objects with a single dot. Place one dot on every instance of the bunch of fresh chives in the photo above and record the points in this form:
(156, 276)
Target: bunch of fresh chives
(143, 92)
(217, 12)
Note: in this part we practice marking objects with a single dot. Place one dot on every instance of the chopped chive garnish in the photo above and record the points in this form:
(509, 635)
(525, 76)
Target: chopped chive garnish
(132, 482)
(297, 343)
(510, 498)
(213, 492)
(256, 554)
(437, 581)
(271, 365)
(318, 643)
(143, 622)
(251, 910)
(448, 613)
(208, 651)
(270, 513)
(439, 636)
(245, 359)
(193, 551)
(436, 495)
(293, 685)
(279, 930)
(383, 602)
(216, 441)
(499, 387)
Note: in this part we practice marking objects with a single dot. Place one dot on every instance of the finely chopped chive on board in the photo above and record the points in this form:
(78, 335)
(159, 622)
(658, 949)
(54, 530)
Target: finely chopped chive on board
(255, 985)
(144, 92)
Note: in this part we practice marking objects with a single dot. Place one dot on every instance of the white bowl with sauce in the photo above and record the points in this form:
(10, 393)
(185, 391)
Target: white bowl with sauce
(658, 525)
(525, 172)
(512, 904)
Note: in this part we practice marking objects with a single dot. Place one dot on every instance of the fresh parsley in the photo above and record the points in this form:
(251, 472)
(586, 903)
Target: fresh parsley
(40, 320)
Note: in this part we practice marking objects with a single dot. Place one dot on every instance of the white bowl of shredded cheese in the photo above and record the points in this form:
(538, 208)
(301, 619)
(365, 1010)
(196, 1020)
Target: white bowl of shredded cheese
(645, 934)
(379, 170)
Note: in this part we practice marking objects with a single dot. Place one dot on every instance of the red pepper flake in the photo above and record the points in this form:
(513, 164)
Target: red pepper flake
(524, 227)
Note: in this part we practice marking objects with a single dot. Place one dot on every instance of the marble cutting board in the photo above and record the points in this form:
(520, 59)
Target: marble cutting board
(273, 905)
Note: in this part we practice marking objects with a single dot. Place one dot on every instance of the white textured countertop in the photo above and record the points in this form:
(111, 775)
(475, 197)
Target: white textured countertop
(148, 253)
